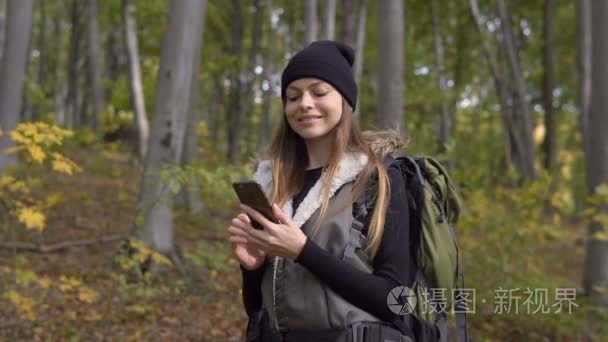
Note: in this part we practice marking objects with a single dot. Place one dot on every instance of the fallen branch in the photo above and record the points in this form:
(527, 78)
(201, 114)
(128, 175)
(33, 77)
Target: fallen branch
(32, 247)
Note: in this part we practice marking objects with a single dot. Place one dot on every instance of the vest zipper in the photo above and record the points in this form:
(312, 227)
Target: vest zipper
(274, 300)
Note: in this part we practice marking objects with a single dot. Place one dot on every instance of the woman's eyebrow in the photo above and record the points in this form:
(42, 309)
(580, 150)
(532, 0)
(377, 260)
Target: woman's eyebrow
(309, 86)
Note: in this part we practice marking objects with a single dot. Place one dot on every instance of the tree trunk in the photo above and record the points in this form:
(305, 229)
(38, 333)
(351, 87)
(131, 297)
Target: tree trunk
(391, 63)
(41, 74)
(311, 21)
(583, 33)
(180, 44)
(116, 50)
(191, 195)
(330, 19)
(250, 77)
(595, 276)
(2, 24)
(12, 72)
(359, 48)
(548, 85)
(523, 107)
(264, 131)
(219, 94)
(510, 134)
(265, 122)
(349, 22)
(72, 109)
(234, 110)
(60, 84)
(445, 120)
(136, 85)
(95, 63)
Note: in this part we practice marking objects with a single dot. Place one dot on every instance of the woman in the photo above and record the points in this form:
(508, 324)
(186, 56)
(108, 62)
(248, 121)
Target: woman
(300, 283)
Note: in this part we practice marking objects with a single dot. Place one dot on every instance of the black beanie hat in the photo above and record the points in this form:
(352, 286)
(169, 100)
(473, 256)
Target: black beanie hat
(327, 60)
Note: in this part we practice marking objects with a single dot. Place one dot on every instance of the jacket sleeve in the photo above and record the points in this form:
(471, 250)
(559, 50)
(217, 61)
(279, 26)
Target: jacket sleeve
(252, 293)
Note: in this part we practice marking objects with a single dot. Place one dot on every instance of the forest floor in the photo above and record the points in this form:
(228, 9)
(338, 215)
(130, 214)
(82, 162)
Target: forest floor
(82, 293)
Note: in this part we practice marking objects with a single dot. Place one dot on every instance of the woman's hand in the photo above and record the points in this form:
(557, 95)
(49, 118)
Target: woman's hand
(249, 255)
(284, 239)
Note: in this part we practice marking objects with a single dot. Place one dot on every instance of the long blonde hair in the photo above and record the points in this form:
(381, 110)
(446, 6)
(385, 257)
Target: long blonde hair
(290, 159)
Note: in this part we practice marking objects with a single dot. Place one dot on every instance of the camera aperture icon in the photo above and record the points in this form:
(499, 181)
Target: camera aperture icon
(398, 306)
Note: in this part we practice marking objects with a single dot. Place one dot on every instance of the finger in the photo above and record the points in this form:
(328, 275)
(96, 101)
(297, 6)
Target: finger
(237, 239)
(237, 222)
(278, 213)
(243, 217)
(256, 215)
(237, 231)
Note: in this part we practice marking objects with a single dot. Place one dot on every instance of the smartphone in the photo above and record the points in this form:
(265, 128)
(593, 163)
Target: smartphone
(251, 194)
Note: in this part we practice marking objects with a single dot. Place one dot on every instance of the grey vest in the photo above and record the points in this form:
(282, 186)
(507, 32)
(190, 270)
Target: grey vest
(294, 297)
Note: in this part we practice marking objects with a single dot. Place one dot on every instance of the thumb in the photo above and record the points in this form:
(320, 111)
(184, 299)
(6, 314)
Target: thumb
(278, 213)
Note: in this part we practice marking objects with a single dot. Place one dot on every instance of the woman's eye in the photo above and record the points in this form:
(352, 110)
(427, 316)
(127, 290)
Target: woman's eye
(321, 93)
(292, 98)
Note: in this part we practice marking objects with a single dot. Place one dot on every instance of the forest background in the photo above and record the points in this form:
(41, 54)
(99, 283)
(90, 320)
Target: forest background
(124, 122)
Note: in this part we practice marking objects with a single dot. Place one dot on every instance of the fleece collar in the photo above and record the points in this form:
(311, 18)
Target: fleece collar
(351, 164)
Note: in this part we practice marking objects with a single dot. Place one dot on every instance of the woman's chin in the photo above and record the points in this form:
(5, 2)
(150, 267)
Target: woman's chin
(312, 135)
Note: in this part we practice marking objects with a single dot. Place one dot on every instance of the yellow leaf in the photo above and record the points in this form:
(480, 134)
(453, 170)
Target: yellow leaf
(20, 138)
(601, 235)
(161, 259)
(62, 166)
(68, 283)
(93, 316)
(45, 283)
(31, 218)
(87, 295)
(36, 153)
(23, 304)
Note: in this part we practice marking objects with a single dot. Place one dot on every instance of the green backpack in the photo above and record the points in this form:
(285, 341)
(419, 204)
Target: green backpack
(434, 208)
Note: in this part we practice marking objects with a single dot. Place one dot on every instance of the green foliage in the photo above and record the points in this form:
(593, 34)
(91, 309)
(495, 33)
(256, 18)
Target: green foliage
(211, 256)
(597, 213)
(136, 259)
(509, 243)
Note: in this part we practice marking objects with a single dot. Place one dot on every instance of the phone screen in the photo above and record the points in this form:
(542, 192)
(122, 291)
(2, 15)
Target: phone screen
(251, 194)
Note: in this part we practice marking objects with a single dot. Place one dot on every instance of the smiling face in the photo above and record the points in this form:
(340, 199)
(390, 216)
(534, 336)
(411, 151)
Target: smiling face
(313, 107)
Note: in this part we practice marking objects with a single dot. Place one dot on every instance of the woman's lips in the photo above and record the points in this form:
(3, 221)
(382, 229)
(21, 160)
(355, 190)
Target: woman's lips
(309, 119)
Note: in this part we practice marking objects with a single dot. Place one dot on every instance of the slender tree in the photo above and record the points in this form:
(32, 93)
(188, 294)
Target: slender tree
(349, 21)
(445, 119)
(583, 33)
(311, 21)
(524, 115)
(330, 19)
(359, 48)
(12, 72)
(391, 59)
(191, 194)
(74, 92)
(595, 275)
(95, 62)
(235, 114)
(136, 86)
(181, 42)
(549, 146)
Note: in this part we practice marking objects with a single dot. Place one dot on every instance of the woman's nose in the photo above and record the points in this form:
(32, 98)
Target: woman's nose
(307, 101)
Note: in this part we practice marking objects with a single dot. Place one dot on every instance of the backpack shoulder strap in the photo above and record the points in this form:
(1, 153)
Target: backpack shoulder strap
(361, 208)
